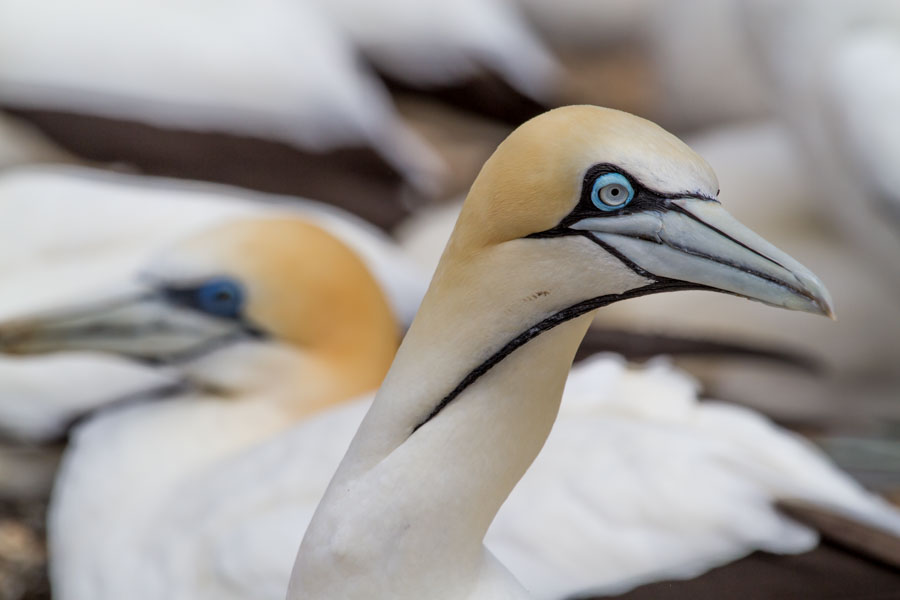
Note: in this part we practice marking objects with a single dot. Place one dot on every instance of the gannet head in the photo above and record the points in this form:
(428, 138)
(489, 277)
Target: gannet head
(237, 307)
(594, 186)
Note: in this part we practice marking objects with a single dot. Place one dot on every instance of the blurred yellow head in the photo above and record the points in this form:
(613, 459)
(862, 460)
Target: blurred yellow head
(260, 305)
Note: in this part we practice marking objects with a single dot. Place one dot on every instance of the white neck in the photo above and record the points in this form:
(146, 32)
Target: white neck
(408, 508)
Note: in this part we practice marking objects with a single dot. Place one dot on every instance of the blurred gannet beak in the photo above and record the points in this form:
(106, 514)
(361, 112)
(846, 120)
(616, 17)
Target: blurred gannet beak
(695, 240)
(145, 326)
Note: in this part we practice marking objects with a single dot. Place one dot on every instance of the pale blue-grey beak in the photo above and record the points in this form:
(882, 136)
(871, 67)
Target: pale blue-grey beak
(697, 241)
(145, 325)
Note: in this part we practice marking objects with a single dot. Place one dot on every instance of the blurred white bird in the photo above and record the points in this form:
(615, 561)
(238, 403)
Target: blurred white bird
(274, 69)
(270, 318)
(432, 43)
(833, 68)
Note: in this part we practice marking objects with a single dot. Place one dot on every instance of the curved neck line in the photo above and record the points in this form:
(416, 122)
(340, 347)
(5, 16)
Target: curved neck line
(567, 314)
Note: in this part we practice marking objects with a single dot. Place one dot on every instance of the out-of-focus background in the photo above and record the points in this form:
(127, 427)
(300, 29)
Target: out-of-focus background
(387, 109)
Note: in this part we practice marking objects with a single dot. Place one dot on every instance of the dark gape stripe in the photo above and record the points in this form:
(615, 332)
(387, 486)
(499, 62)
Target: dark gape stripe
(560, 231)
(205, 347)
(567, 314)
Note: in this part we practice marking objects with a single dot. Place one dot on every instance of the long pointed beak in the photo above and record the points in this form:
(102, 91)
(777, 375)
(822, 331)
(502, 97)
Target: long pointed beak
(697, 241)
(142, 326)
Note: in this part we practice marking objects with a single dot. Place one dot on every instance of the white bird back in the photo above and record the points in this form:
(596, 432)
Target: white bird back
(273, 69)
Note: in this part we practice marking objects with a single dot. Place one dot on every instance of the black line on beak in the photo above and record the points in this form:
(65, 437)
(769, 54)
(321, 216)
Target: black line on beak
(692, 216)
(562, 231)
(203, 348)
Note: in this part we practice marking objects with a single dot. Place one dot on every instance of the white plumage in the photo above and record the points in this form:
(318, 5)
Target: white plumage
(641, 481)
(638, 481)
(273, 69)
(431, 43)
(589, 24)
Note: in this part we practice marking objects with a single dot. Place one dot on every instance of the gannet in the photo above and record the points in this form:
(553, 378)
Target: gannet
(207, 305)
(74, 234)
(578, 208)
(857, 354)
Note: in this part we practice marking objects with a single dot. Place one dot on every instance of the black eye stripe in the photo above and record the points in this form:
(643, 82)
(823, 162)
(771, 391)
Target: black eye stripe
(645, 200)
(183, 296)
(603, 168)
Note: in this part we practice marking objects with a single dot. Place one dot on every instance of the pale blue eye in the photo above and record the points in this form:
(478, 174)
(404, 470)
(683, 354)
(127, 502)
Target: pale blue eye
(611, 191)
(221, 297)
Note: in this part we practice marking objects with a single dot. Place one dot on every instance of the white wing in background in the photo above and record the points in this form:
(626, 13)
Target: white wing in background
(428, 43)
(864, 96)
(639, 481)
(273, 69)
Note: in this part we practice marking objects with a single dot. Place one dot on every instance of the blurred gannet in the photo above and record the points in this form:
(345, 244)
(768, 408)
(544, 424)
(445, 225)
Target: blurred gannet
(209, 306)
(578, 208)
(586, 526)
(70, 233)
(274, 69)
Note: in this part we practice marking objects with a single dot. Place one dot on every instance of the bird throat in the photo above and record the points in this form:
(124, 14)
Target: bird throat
(557, 318)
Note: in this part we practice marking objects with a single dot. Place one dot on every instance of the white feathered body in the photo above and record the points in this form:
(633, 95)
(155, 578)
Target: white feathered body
(638, 481)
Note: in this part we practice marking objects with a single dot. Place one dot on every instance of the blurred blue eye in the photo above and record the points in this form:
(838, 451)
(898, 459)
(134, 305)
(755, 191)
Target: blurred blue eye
(611, 191)
(220, 297)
